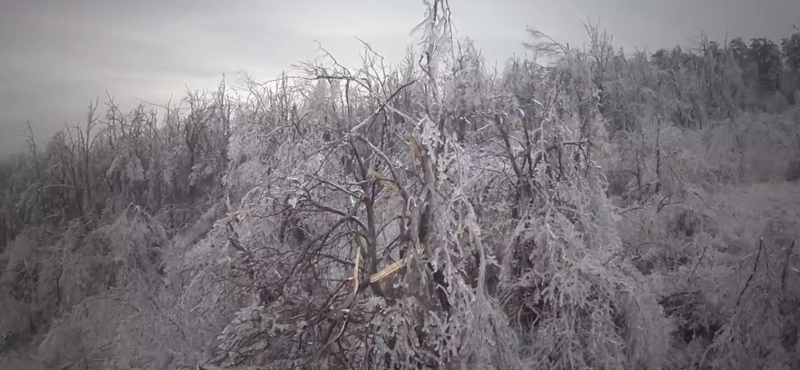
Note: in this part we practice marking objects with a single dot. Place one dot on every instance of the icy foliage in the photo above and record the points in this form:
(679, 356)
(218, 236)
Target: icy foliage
(605, 211)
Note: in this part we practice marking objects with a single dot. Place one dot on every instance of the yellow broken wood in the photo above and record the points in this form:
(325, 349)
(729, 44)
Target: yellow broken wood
(386, 271)
(355, 271)
(395, 266)
(228, 204)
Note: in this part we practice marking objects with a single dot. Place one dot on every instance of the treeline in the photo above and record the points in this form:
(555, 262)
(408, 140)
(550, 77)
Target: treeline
(174, 158)
(116, 158)
(766, 67)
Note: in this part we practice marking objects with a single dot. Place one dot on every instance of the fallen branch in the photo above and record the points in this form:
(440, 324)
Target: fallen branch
(752, 273)
(785, 269)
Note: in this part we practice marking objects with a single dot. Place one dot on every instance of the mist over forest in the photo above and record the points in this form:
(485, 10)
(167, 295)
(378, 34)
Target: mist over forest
(583, 207)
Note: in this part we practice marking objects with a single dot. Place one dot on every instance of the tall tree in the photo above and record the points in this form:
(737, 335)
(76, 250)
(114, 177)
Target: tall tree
(740, 52)
(791, 51)
(767, 57)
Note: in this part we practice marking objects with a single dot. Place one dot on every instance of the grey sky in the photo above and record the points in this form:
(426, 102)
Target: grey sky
(57, 56)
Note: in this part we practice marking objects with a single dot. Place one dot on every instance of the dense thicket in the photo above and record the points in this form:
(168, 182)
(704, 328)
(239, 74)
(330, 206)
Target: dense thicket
(606, 211)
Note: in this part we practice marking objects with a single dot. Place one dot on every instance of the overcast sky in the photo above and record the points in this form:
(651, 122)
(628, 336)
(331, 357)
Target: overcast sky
(56, 55)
